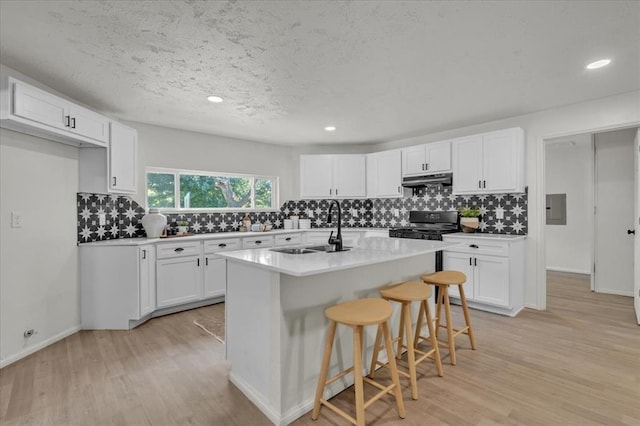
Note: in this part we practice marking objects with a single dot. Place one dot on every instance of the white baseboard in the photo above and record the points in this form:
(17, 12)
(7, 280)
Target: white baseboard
(569, 270)
(614, 291)
(35, 348)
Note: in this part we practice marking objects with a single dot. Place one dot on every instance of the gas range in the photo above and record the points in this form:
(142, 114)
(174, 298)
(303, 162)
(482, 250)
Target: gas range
(429, 226)
(426, 225)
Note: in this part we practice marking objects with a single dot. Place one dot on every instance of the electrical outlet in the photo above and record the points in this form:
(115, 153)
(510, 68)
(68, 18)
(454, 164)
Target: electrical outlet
(396, 212)
(16, 220)
(102, 219)
(310, 213)
(499, 214)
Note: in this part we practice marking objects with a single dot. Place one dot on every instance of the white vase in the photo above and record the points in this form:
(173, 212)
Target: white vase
(154, 223)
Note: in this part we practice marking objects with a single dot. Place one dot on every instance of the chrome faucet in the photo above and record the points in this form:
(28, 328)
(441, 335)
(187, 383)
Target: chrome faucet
(337, 240)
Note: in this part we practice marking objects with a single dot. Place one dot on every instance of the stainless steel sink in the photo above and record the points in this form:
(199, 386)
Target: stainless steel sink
(326, 248)
(296, 250)
(307, 250)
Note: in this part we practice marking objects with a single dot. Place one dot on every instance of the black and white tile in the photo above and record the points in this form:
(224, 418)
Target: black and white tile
(124, 215)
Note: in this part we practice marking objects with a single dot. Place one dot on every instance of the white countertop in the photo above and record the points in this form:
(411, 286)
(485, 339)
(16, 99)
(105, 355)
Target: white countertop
(370, 250)
(214, 236)
(482, 236)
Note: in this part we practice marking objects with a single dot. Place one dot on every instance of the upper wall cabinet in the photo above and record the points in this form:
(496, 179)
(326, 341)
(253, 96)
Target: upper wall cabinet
(27, 109)
(333, 176)
(489, 163)
(113, 169)
(424, 159)
(384, 174)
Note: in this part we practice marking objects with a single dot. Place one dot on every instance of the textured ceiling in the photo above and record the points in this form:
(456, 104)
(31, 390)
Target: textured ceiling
(378, 70)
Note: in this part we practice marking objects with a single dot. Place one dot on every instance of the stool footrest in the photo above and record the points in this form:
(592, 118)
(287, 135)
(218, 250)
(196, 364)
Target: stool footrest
(383, 391)
(338, 376)
(338, 411)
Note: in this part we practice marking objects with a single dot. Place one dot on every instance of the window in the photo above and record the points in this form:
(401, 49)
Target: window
(181, 189)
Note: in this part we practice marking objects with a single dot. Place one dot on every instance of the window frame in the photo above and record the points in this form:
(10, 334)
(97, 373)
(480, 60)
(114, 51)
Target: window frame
(275, 191)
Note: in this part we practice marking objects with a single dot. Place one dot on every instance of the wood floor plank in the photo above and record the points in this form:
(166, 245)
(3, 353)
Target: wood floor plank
(578, 363)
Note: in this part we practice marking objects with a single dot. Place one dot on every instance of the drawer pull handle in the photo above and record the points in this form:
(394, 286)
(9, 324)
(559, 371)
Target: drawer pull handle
(179, 249)
(144, 254)
(473, 245)
(258, 242)
(222, 245)
(475, 261)
(288, 239)
(470, 264)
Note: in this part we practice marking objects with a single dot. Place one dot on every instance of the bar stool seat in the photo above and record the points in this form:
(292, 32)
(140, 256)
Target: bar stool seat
(406, 293)
(442, 280)
(357, 314)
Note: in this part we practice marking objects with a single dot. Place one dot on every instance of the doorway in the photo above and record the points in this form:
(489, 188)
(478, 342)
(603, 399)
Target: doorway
(594, 175)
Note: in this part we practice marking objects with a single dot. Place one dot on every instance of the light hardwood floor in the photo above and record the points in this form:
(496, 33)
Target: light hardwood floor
(578, 363)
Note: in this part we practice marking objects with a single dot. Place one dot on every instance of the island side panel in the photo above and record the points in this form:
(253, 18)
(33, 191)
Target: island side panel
(304, 326)
(253, 334)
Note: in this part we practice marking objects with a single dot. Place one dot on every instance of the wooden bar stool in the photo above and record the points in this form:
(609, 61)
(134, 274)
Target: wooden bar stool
(405, 293)
(443, 280)
(357, 314)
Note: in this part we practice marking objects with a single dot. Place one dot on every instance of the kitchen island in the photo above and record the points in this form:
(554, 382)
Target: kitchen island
(275, 320)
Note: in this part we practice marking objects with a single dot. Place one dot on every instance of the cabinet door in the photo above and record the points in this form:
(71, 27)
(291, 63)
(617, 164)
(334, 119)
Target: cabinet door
(87, 123)
(388, 179)
(179, 280)
(147, 264)
(39, 106)
(499, 162)
(316, 176)
(464, 263)
(413, 160)
(438, 157)
(215, 276)
(123, 149)
(492, 280)
(349, 176)
(467, 165)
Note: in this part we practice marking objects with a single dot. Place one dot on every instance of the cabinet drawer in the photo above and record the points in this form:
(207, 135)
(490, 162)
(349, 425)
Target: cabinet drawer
(213, 246)
(478, 246)
(257, 242)
(288, 239)
(178, 249)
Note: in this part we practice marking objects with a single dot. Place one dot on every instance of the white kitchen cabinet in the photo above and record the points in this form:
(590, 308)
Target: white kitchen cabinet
(112, 169)
(333, 176)
(257, 241)
(384, 174)
(31, 110)
(215, 267)
(147, 259)
(288, 240)
(116, 297)
(495, 272)
(489, 163)
(424, 159)
(179, 276)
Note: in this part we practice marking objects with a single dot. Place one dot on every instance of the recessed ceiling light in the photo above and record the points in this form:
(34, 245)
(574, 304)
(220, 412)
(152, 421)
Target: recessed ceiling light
(330, 128)
(598, 64)
(214, 99)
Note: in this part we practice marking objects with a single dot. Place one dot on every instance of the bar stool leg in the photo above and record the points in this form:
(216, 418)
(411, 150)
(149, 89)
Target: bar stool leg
(328, 346)
(447, 310)
(406, 313)
(394, 369)
(467, 317)
(357, 372)
(439, 309)
(376, 352)
(419, 326)
(424, 306)
(401, 335)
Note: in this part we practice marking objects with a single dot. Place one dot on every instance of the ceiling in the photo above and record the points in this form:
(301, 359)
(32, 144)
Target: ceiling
(377, 70)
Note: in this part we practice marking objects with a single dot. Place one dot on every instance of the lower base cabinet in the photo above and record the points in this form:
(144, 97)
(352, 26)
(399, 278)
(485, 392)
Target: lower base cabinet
(494, 270)
(179, 280)
(215, 276)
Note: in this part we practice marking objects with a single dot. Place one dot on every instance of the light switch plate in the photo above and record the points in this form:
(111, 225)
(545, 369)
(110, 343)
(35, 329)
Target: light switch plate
(16, 220)
(102, 219)
(499, 214)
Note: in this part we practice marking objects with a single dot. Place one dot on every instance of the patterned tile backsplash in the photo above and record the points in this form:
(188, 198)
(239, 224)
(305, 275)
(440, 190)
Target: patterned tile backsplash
(123, 215)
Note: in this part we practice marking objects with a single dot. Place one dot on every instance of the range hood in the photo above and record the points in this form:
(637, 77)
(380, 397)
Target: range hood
(427, 180)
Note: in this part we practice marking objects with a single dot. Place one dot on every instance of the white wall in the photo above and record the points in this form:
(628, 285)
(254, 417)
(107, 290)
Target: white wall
(569, 170)
(608, 113)
(39, 285)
